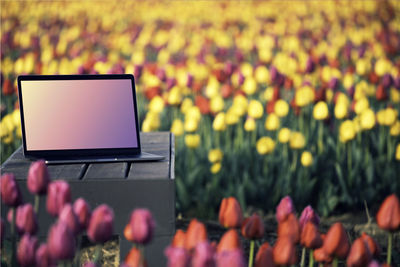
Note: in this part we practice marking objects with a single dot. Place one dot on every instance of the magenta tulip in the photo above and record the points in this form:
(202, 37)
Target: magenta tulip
(284, 208)
(142, 226)
(26, 221)
(177, 257)
(43, 257)
(83, 212)
(60, 242)
(58, 194)
(203, 255)
(10, 193)
(38, 178)
(307, 215)
(100, 227)
(68, 216)
(233, 258)
(26, 250)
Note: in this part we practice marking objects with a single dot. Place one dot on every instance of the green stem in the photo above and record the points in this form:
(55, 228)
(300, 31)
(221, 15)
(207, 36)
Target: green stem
(389, 249)
(13, 239)
(77, 259)
(97, 254)
(320, 138)
(311, 258)
(389, 148)
(349, 160)
(252, 242)
(294, 162)
(37, 203)
(141, 261)
(335, 262)
(303, 257)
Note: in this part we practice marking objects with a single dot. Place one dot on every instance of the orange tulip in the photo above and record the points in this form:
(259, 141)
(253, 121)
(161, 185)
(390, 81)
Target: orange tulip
(128, 233)
(320, 255)
(284, 251)
(253, 227)
(290, 227)
(135, 258)
(336, 242)
(388, 216)
(359, 254)
(179, 239)
(195, 234)
(229, 241)
(230, 213)
(265, 256)
(372, 244)
(310, 237)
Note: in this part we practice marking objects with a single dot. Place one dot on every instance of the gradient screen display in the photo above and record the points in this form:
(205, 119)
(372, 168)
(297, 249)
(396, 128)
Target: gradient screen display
(79, 114)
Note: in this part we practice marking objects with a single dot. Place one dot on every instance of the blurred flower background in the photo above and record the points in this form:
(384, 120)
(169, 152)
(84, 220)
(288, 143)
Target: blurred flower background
(265, 98)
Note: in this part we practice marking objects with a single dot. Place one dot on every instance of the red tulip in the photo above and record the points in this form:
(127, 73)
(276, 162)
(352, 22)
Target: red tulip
(253, 227)
(26, 250)
(100, 227)
(336, 242)
(284, 251)
(320, 255)
(68, 216)
(142, 226)
(83, 212)
(230, 213)
(8, 87)
(135, 258)
(233, 258)
(38, 178)
(179, 239)
(388, 216)
(58, 194)
(203, 104)
(42, 257)
(196, 233)
(60, 242)
(381, 93)
(310, 237)
(203, 255)
(10, 193)
(177, 257)
(265, 256)
(290, 227)
(26, 221)
(359, 254)
(308, 214)
(284, 208)
(372, 244)
(229, 241)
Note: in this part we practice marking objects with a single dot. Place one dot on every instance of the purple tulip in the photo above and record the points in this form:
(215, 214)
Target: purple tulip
(232, 258)
(38, 178)
(2, 231)
(26, 250)
(10, 193)
(334, 84)
(138, 71)
(387, 80)
(273, 73)
(203, 255)
(189, 81)
(42, 257)
(26, 221)
(100, 227)
(240, 78)
(170, 83)
(142, 225)
(68, 216)
(396, 83)
(83, 212)
(161, 74)
(284, 208)
(310, 66)
(60, 242)
(308, 214)
(229, 68)
(177, 257)
(58, 195)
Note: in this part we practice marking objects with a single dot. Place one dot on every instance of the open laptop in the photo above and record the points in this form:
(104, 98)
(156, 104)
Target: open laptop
(80, 118)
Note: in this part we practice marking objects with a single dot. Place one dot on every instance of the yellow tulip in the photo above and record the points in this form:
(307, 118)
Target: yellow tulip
(250, 124)
(272, 122)
(187, 103)
(306, 158)
(347, 131)
(268, 94)
(262, 74)
(215, 155)
(394, 95)
(395, 129)
(304, 96)
(367, 119)
(348, 80)
(361, 105)
(249, 86)
(382, 66)
(177, 127)
(255, 109)
(231, 116)
(216, 104)
(156, 104)
(193, 112)
(297, 140)
(320, 111)
(340, 110)
(191, 124)
(219, 122)
(281, 108)
(215, 168)
(240, 105)
(192, 140)
(174, 96)
(362, 66)
(387, 117)
(284, 135)
(265, 145)
(398, 152)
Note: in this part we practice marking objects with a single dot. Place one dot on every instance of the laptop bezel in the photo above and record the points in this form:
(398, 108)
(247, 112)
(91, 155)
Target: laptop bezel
(76, 153)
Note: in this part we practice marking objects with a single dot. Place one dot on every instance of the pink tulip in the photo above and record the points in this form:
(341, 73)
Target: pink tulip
(58, 195)
(83, 212)
(26, 250)
(203, 255)
(61, 242)
(42, 257)
(307, 215)
(38, 178)
(10, 193)
(89, 264)
(26, 221)
(142, 226)
(101, 224)
(233, 258)
(177, 257)
(284, 208)
(68, 216)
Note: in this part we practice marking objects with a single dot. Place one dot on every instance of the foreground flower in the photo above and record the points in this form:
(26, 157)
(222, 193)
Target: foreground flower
(10, 193)
(310, 237)
(177, 257)
(372, 244)
(135, 258)
(61, 242)
(58, 195)
(265, 256)
(26, 221)
(83, 212)
(38, 178)
(284, 208)
(196, 233)
(100, 227)
(265, 145)
(26, 250)
(142, 226)
(203, 255)
(306, 158)
(297, 140)
(320, 111)
(42, 257)
(336, 242)
(68, 216)
(284, 251)
(308, 214)
(253, 227)
(359, 254)
(290, 227)
(230, 213)
(388, 216)
(229, 241)
(232, 258)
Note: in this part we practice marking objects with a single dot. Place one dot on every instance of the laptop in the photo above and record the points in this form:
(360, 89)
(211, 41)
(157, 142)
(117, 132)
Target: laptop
(80, 118)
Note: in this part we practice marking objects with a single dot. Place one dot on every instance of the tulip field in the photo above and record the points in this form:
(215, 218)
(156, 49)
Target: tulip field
(265, 98)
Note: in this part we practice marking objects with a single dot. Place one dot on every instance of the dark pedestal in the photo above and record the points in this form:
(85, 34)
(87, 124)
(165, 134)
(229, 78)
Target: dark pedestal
(123, 186)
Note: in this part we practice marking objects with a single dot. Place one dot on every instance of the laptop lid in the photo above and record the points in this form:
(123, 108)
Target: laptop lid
(76, 116)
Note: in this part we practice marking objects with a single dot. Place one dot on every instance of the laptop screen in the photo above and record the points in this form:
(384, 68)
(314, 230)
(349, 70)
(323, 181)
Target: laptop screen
(62, 113)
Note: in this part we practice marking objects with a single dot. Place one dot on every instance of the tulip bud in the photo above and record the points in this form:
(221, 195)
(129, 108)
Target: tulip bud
(135, 258)
(179, 239)
(68, 216)
(372, 244)
(359, 254)
(100, 227)
(83, 212)
(290, 227)
(142, 226)
(229, 241)
(195, 234)
(26, 221)
(232, 258)
(308, 214)
(230, 213)
(10, 193)
(284, 251)
(253, 227)
(265, 256)
(26, 250)
(38, 178)
(320, 255)
(58, 194)
(310, 237)
(177, 257)
(336, 242)
(310, 66)
(284, 208)
(60, 242)
(203, 255)
(388, 216)
(42, 257)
